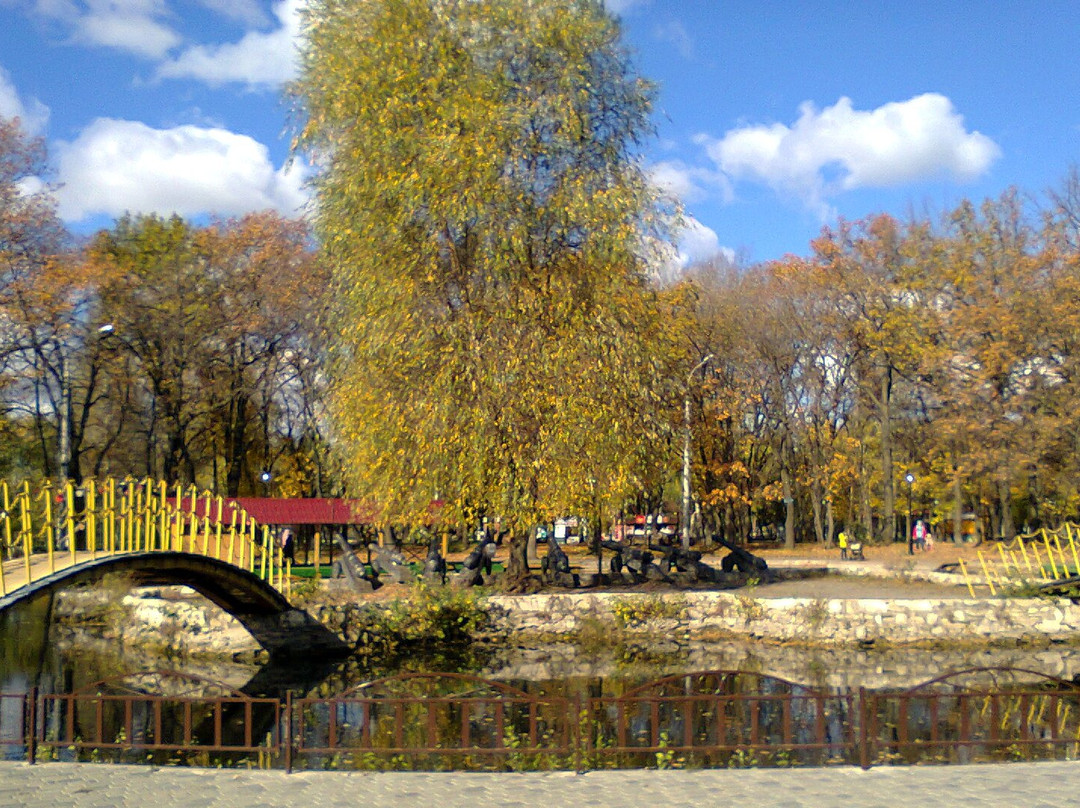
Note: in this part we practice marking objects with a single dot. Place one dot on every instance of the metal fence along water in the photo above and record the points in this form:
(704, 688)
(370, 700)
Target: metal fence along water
(460, 722)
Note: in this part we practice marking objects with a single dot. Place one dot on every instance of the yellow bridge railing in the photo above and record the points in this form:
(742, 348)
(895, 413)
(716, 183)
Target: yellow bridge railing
(1045, 555)
(57, 527)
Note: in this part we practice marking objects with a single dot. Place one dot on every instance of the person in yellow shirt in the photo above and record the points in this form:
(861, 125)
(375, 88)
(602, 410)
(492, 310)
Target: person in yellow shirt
(842, 542)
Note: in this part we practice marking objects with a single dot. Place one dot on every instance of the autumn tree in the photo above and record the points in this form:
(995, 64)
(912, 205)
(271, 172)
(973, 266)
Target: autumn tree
(868, 265)
(212, 333)
(484, 217)
(42, 300)
(264, 309)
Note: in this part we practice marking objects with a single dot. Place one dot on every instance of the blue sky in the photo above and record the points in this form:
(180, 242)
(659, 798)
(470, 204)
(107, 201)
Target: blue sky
(773, 118)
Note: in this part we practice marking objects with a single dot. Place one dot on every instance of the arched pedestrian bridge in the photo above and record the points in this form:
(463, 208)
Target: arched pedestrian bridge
(53, 540)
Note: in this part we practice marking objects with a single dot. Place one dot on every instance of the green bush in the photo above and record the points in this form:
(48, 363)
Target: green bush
(436, 614)
(636, 612)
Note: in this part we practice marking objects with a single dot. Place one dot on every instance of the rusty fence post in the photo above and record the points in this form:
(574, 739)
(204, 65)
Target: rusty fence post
(288, 739)
(31, 726)
(864, 733)
(577, 727)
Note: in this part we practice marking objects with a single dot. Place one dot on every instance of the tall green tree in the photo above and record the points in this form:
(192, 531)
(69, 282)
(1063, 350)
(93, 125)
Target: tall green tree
(485, 217)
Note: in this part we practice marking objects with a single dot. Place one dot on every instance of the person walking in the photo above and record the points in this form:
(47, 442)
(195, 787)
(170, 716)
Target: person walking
(918, 533)
(842, 542)
(288, 546)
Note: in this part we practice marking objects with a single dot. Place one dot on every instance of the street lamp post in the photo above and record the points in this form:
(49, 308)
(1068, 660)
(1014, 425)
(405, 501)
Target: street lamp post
(909, 478)
(63, 448)
(684, 522)
(265, 477)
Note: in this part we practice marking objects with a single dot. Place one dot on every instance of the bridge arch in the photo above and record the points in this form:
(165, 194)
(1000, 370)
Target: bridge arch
(278, 627)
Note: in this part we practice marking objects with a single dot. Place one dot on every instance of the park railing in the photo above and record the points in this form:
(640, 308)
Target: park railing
(53, 528)
(1042, 556)
(456, 722)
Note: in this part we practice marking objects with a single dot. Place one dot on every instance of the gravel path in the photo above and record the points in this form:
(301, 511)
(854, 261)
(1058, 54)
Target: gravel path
(845, 586)
(87, 785)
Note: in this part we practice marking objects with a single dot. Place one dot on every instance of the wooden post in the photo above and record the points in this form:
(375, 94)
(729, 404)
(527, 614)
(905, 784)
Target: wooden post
(986, 574)
(163, 516)
(217, 529)
(1023, 552)
(91, 516)
(50, 531)
(27, 529)
(265, 551)
(1049, 553)
(967, 578)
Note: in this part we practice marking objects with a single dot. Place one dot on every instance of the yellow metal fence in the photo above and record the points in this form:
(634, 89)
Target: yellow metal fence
(1045, 555)
(59, 526)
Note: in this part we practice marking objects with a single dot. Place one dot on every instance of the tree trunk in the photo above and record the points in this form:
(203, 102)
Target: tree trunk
(1008, 529)
(235, 444)
(888, 490)
(789, 507)
(867, 518)
(958, 508)
(815, 502)
(830, 523)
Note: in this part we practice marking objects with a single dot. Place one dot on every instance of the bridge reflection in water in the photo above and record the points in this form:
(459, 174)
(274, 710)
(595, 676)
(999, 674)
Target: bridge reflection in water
(454, 721)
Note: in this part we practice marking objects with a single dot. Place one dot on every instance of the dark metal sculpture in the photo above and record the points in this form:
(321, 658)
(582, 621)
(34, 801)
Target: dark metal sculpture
(388, 561)
(740, 558)
(555, 567)
(476, 564)
(434, 564)
(638, 562)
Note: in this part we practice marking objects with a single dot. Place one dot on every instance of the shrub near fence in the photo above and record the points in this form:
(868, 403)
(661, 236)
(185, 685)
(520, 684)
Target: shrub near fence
(454, 722)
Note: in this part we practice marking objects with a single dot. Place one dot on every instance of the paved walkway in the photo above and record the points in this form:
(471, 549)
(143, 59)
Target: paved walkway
(87, 785)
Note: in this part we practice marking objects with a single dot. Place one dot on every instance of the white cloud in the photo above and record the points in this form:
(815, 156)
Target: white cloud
(246, 11)
(134, 26)
(33, 114)
(694, 243)
(116, 166)
(840, 148)
(258, 59)
(698, 243)
(688, 183)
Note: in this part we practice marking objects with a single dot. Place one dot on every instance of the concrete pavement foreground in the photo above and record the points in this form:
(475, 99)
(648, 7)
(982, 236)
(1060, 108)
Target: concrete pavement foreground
(88, 785)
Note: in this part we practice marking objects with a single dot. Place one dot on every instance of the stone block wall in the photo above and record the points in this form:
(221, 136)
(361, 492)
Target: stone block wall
(804, 620)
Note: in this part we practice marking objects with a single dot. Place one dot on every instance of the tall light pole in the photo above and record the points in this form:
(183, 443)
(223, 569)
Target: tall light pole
(63, 448)
(684, 521)
(909, 478)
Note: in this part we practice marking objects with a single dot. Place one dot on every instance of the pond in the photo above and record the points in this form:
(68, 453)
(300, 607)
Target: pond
(640, 699)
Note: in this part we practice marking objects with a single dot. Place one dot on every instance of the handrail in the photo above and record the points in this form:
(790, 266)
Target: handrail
(57, 528)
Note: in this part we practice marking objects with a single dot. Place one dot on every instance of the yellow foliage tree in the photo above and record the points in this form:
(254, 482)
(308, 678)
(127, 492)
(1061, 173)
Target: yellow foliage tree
(484, 216)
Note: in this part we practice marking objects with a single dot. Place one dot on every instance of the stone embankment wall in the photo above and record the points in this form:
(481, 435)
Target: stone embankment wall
(186, 622)
(696, 615)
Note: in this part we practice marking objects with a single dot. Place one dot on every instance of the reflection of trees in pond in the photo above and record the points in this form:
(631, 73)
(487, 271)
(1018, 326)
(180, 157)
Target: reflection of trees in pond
(157, 714)
(444, 714)
(712, 715)
(977, 715)
(449, 720)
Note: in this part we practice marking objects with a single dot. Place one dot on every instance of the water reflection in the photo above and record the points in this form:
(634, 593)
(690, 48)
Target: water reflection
(56, 659)
(626, 705)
